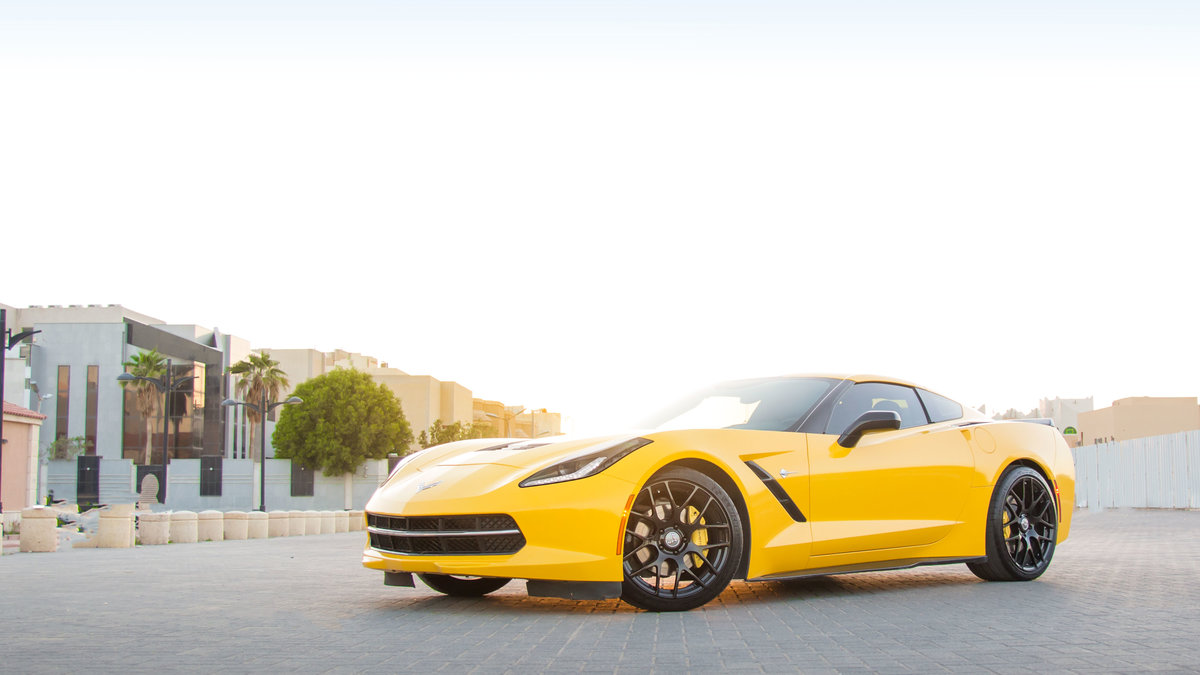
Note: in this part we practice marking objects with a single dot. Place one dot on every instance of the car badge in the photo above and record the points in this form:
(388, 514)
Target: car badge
(784, 473)
(425, 486)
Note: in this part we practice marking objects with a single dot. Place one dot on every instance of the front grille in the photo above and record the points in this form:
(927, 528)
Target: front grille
(494, 534)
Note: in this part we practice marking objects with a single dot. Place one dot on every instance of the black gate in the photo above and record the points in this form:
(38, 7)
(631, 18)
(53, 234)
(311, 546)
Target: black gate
(87, 479)
(210, 475)
(155, 470)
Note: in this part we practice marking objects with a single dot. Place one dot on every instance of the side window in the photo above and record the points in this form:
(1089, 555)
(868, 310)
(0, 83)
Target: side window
(940, 408)
(876, 396)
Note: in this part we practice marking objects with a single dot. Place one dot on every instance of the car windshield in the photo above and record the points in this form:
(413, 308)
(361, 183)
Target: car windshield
(775, 404)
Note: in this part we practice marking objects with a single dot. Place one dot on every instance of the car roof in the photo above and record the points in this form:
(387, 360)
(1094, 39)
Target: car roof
(861, 377)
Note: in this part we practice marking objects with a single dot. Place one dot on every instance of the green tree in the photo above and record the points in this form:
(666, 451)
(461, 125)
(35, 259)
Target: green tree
(67, 448)
(440, 433)
(153, 365)
(345, 420)
(258, 372)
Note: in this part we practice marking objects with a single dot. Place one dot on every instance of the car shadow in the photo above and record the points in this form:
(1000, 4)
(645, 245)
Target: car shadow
(513, 600)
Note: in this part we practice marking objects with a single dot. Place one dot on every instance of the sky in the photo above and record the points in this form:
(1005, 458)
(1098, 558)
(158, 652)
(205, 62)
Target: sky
(593, 207)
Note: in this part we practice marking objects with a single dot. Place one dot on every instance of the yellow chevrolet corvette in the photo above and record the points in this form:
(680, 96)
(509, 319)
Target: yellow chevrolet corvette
(760, 479)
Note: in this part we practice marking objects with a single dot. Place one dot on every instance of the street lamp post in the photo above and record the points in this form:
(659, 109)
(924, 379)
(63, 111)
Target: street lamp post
(166, 387)
(263, 410)
(7, 341)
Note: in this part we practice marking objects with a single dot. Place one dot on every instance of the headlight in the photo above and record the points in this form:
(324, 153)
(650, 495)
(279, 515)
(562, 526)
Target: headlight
(589, 463)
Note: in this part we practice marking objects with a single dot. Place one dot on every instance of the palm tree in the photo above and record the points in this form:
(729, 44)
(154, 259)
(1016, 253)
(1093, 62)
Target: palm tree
(259, 373)
(152, 365)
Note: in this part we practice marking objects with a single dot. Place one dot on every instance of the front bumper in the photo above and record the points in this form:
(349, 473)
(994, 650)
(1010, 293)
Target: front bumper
(572, 531)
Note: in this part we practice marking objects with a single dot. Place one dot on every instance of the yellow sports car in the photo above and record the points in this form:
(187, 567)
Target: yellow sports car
(758, 479)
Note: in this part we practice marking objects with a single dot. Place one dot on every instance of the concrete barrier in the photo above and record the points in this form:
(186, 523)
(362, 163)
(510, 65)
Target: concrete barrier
(154, 529)
(235, 525)
(116, 527)
(356, 521)
(296, 523)
(312, 522)
(183, 527)
(327, 522)
(341, 521)
(39, 530)
(210, 526)
(256, 525)
(278, 524)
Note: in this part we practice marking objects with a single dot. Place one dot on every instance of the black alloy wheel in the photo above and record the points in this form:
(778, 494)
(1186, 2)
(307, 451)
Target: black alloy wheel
(683, 542)
(1022, 528)
(461, 586)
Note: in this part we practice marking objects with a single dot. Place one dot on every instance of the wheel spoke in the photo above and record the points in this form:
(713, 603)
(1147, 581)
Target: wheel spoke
(635, 551)
(684, 504)
(671, 497)
(651, 565)
(695, 577)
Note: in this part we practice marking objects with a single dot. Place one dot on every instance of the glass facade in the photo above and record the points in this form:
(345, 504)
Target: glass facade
(92, 408)
(185, 427)
(63, 404)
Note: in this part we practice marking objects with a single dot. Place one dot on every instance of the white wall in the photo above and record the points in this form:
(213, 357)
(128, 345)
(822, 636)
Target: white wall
(1155, 472)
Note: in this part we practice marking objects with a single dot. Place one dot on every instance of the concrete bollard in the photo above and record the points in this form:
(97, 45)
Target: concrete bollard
(295, 523)
(210, 526)
(235, 525)
(327, 522)
(116, 527)
(278, 524)
(154, 529)
(312, 522)
(341, 521)
(39, 530)
(183, 527)
(256, 525)
(356, 521)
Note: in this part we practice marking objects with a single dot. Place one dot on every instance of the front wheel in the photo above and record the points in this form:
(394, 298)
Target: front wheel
(1022, 528)
(683, 542)
(463, 587)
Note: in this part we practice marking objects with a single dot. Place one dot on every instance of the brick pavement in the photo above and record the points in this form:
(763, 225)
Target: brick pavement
(1122, 595)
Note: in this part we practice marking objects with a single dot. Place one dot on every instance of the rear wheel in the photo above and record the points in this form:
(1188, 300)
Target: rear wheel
(683, 542)
(1022, 528)
(463, 587)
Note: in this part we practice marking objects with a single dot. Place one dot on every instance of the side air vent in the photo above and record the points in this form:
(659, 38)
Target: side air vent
(779, 493)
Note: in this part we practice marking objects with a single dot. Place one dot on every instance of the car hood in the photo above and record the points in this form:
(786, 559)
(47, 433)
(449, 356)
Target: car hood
(479, 466)
(517, 453)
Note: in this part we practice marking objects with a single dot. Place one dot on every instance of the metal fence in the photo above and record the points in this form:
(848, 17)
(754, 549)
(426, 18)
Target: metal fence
(1160, 472)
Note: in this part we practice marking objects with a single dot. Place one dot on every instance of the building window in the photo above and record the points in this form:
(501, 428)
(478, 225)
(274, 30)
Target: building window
(62, 407)
(93, 388)
(302, 481)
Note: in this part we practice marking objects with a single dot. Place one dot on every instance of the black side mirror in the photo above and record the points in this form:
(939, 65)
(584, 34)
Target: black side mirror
(872, 420)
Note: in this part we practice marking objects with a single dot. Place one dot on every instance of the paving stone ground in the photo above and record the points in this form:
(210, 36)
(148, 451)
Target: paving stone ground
(1123, 594)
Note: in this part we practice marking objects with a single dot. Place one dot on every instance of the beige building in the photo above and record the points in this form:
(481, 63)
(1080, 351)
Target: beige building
(1139, 417)
(496, 415)
(424, 399)
(538, 423)
(20, 457)
(514, 421)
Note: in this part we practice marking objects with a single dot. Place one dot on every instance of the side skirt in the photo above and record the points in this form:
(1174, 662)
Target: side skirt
(880, 566)
(573, 590)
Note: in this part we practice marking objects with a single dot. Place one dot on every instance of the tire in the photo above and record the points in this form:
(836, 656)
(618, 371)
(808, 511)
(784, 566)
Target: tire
(683, 542)
(1022, 528)
(463, 587)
